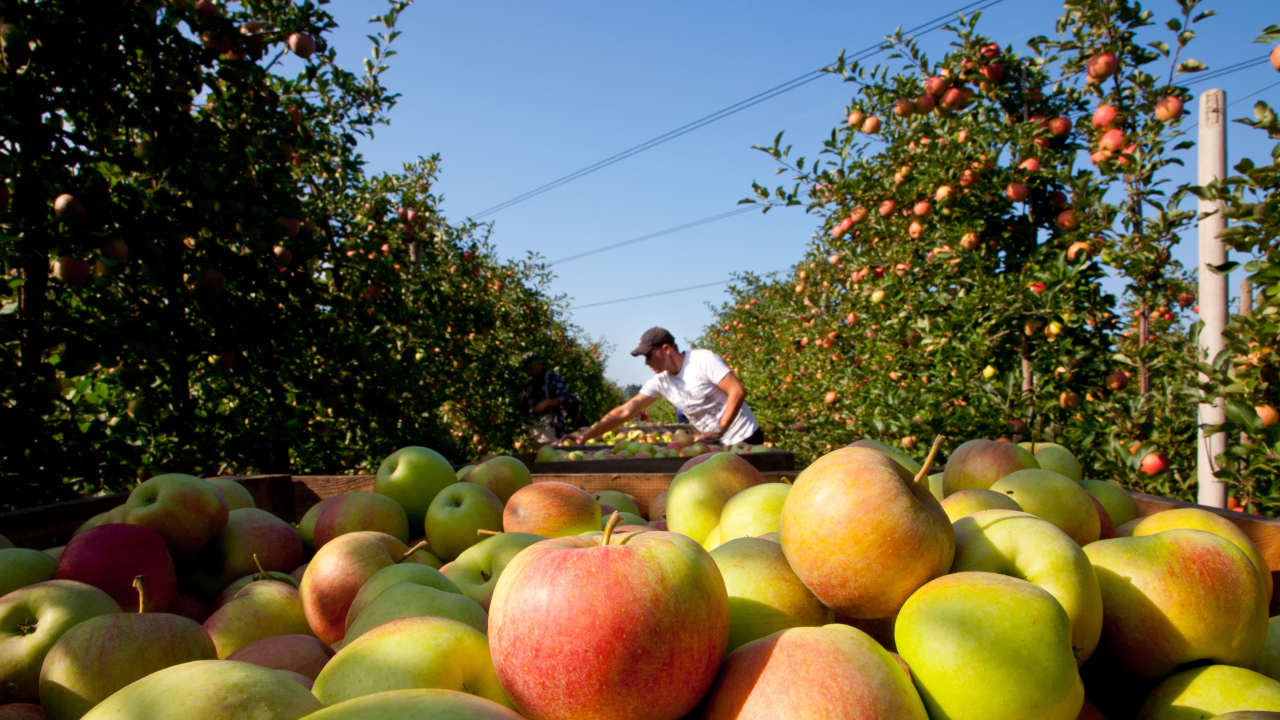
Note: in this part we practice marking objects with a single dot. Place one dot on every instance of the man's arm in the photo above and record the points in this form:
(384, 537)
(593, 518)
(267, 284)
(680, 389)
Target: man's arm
(733, 404)
(613, 418)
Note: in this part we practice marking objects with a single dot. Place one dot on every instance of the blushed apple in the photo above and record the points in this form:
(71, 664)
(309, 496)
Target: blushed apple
(410, 704)
(476, 571)
(357, 511)
(971, 500)
(410, 653)
(210, 689)
(765, 595)
(412, 476)
(1056, 498)
(551, 509)
(413, 600)
(303, 654)
(109, 557)
(502, 475)
(834, 672)
(983, 646)
(1196, 519)
(394, 575)
(253, 540)
(907, 462)
(1119, 504)
(32, 619)
(262, 609)
(455, 515)
(338, 571)
(233, 492)
(187, 511)
(980, 463)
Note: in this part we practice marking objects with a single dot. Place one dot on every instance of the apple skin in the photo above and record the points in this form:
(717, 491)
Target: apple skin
(338, 571)
(233, 492)
(187, 511)
(1268, 662)
(1196, 519)
(263, 609)
(502, 475)
(21, 711)
(94, 659)
(356, 511)
(190, 608)
(411, 600)
(456, 514)
(765, 595)
(232, 590)
(56, 606)
(303, 654)
(1024, 546)
(980, 463)
(230, 555)
(416, 704)
(853, 512)
(1119, 504)
(477, 570)
(1209, 691)
(983, 646)
(114, 515)
(412, 476)
(551, 509)
(753, 512)
(658, 508)
(1056, 458)
(210, 690)
(1176, 597)
(394, 575)
(574, 627)
(1056, 498)
(620, 500)
(972, 500)
(834, 672)
(412, 653)
(698, 495)
(109, 557)
(20, 567)
(894, 453)
(307, 525)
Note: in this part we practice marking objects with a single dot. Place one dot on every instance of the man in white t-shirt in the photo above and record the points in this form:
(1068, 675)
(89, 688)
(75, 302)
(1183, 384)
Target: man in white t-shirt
(697, 382)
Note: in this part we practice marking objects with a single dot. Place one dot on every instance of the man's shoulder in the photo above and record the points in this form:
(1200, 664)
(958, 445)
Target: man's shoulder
(705, 358)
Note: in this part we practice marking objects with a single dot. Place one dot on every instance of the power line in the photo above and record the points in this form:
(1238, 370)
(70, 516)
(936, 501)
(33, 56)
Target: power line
(664, 292)
(1228, 70)
(660, 233)
(752, 101)
(1255, 92)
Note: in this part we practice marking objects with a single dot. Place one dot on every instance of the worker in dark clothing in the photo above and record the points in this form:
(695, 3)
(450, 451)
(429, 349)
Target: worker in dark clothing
(548, 396)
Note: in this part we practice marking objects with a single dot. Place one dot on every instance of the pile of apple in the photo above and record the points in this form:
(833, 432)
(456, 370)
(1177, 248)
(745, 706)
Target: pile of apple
(867, 589)
(676, 444)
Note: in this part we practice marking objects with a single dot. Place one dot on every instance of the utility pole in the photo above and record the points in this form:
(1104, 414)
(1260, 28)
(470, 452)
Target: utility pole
(1213, 287)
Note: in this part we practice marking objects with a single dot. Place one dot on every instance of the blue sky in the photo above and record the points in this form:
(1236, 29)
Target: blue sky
(517, 94)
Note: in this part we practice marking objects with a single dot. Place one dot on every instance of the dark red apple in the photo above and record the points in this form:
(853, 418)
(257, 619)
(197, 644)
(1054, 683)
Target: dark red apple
(109, 557)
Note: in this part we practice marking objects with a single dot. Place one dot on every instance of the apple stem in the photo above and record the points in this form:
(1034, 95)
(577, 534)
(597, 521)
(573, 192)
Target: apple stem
(262, 573)
(923, 475)
(614, 519)
(140, 582)
(488, 532)
(422, 545)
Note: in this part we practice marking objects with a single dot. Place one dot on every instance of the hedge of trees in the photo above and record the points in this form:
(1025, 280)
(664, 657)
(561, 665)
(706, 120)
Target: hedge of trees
(201, 276)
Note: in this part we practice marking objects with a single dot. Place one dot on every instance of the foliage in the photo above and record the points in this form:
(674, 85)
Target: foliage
(931, 303)
(256, 302)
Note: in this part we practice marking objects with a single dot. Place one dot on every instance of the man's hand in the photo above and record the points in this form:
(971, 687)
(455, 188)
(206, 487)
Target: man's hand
(576, 437)
(545, 404)
(710, 437)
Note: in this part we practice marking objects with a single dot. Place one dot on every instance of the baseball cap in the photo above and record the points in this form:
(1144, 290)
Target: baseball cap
(652, 338)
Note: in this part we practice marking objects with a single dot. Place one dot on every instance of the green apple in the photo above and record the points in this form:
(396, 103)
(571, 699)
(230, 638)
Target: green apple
(187, 512)
(620, 500)
(412, 476)
(980, 463)
(410, 653)
(936, 486)
(1208, 691)
(476, 571)
(1177, 597)
(1056, 498)
(627, 520)
(210, 690)
(261, 609)
(1197, 519)
(697, 496)
(765, 595)
(546, 453)
(862, 534)
(463, 471)
(972, 500)
(1117, 501)
(32, 619)
(394, 575)
(1268, 662)
(753, 512)
(1055, 458)
(909, 464)
(104, 654)
(416, 705)
(5, 543)
(410, 600)
(307, 525)
(983, 646)
(1024, 546)
(830, 672)
(20, 567)
(455, 515)
(112, 516)
(502, 475)
(233, 492)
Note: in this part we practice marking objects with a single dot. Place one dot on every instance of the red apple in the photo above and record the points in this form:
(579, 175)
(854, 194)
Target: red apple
(937, 85)
(1104, 116)
(68, 207)
(110, 557)
(356, 511)
(1017, 192)
(1169, 108)
(1059, 127)
(1068, 220)
(1154, 463)
(302, 654)
(575, 624)
(339, 570)
(1030, 165)
(302, 44)
(831, 397)
(993, 72)
(71, 270)
(871, 125)
(1111, 141)
(1101, 66)
(922, 208)
(282, 255)
(904, 108)
(116, 249)
(551, 509)
(925, 103)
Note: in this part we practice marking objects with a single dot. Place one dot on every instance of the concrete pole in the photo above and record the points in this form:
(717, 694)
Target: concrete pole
(1213, 287)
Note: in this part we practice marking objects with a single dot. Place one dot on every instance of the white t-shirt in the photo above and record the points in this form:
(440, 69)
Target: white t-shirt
(693, 390)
